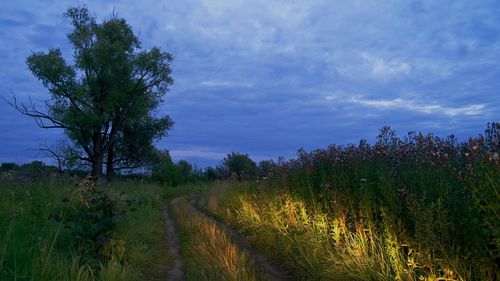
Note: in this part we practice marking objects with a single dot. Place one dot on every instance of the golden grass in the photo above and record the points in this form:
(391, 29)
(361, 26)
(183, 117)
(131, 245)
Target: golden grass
(314, 245)
(209, 252)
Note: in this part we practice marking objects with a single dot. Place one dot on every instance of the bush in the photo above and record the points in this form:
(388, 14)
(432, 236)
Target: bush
(8, 167)
(91, 220)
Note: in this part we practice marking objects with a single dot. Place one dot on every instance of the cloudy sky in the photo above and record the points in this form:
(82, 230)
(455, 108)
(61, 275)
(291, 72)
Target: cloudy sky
(268, 77)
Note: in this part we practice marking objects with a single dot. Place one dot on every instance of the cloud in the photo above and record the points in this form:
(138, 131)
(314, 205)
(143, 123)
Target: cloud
(386, 68)
(398, 103)
(197, 153)
(211, 156)
(216, 83)
(267, 77)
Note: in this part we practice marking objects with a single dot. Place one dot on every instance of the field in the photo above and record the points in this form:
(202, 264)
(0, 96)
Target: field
(119, 187)
(419, 208)
(38, 241)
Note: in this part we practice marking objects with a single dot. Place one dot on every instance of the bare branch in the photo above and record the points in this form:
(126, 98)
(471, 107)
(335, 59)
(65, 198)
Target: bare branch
(41, 118)
(53, 154)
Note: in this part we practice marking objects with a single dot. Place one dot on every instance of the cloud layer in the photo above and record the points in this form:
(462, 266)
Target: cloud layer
(269, 77)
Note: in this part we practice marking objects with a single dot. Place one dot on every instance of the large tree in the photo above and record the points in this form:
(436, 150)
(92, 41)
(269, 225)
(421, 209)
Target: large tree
(134, 143)
(239, 164)
(104, 102)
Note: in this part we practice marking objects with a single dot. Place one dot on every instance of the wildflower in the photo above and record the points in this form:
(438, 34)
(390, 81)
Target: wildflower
(363, 180)
(495, 156)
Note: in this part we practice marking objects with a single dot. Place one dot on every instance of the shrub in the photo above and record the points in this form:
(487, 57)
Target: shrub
(90, 219)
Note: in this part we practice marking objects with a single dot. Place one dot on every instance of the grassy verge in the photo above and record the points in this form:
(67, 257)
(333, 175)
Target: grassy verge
(299, 237)
(317, 245)
(187, 190)
(417, 208)
(208, 251)
(35, 247)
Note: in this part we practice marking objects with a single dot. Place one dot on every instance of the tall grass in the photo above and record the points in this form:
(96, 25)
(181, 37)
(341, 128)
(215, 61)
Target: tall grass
(35, 247)
(419, 208)
(208, 250)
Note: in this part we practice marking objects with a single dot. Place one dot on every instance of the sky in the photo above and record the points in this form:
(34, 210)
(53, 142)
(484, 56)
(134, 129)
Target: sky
(268, 77)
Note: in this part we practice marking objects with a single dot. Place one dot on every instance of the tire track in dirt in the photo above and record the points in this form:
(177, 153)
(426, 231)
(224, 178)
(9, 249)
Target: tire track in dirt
(175, 273)
(274, 272)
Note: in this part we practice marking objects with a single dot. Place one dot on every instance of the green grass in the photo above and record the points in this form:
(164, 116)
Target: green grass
(189, 189)
(34, 247)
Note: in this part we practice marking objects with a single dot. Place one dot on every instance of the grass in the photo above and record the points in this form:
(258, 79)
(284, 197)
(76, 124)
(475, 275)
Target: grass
(189, 189)
(35, 247)
(208, 251)
(314, 245)
(422, 208)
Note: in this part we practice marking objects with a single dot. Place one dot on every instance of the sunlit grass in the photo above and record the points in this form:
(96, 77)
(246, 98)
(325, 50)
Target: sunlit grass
(317, 245)
(208, 251)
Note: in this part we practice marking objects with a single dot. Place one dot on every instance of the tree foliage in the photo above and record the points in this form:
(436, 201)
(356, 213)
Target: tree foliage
(267, 168)
(163, 170)
(237, 164)
(104, 102)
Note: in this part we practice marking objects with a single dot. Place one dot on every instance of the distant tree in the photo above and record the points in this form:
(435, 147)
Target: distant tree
(36, 170)
(492, 135)
(161, 167)
(212, 174)
(239, 164)
(266, 167)
(112, 86)
(8, 167)
(185, 172)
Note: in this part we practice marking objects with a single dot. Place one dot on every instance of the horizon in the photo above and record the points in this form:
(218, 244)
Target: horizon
(267, 78)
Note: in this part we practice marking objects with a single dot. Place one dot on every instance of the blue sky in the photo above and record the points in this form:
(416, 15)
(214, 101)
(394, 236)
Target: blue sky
(269, 77)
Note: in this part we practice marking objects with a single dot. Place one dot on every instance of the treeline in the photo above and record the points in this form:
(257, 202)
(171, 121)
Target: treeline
(33, 171)
(235, 166)
(158, 167)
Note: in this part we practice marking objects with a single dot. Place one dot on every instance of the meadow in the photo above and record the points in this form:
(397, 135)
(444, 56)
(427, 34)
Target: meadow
(418, 208)
(43, 235)
(70, 229)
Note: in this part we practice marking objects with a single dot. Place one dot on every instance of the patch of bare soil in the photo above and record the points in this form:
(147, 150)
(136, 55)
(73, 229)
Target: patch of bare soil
(175, 273)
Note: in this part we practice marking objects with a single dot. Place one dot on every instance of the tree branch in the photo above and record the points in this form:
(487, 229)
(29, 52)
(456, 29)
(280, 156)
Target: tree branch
(40, 117)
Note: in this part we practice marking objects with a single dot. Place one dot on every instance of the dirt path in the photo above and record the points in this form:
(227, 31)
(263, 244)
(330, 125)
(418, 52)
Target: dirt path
(175, 273)
(273, 272)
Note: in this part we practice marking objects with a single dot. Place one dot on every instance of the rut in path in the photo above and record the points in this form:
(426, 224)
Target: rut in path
(272, 271)
(175, 273)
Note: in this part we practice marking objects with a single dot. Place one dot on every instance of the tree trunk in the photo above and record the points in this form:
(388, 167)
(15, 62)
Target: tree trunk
(97, 167)
(109, 164)
(98, 154)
